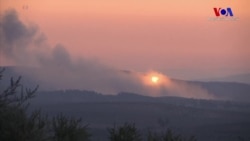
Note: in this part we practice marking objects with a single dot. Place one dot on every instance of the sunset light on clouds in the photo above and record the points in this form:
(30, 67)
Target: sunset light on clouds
(174, 37)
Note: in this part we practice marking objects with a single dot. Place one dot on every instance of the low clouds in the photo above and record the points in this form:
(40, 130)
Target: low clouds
(53, 67)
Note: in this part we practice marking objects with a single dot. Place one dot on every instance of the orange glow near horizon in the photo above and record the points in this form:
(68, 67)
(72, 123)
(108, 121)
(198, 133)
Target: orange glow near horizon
(154, 78)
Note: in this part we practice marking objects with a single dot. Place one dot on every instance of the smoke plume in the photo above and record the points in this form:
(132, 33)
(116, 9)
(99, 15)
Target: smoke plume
(53, 67)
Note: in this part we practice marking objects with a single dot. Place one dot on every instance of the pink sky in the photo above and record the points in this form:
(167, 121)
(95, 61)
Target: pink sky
(171, 36)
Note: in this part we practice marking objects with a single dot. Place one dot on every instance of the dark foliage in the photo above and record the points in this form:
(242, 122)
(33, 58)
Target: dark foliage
(66, 129)
(169, 135)
(17, 125)
(127, 132)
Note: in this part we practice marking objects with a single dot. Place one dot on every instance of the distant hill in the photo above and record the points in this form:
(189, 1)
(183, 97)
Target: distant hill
(206, 119)
(227, 90)
(78, 96)
(240, 78)
(232, 91)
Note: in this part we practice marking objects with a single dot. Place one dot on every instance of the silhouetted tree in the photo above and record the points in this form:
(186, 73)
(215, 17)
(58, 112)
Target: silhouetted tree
(127, 132)
(17, 125)
(169, 135)
(68, 129)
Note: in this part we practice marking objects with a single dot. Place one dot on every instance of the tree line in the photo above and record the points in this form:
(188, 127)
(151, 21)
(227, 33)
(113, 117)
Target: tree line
(17, 124)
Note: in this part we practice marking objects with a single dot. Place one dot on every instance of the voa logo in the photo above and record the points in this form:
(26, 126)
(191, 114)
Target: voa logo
(223, 12)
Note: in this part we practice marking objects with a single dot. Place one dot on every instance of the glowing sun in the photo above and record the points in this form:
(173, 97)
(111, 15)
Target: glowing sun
(155, 79)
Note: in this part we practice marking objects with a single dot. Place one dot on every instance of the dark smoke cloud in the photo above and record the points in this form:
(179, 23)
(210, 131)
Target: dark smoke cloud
(13, 29)
(54, 68)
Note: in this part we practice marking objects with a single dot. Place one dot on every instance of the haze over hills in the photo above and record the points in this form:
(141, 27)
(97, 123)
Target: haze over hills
(232, 91)
(240, 78)
(53, 67)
